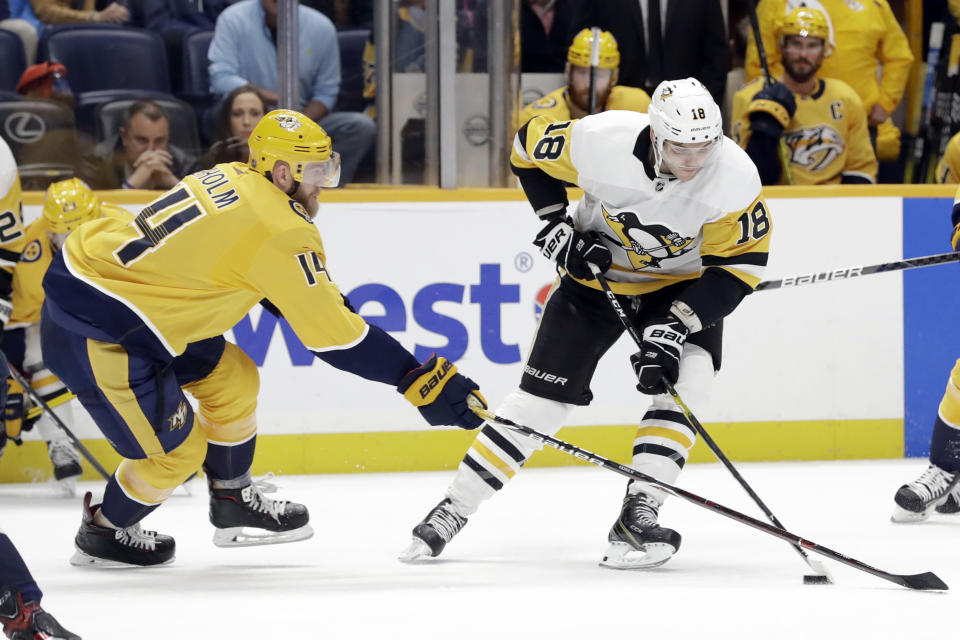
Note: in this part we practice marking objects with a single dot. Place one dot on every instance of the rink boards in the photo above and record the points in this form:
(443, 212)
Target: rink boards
(837, 370)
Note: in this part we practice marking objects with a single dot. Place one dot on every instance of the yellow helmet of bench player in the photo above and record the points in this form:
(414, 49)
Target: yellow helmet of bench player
(291, 137)
(68, 204)
(806, 23)
(579, 52)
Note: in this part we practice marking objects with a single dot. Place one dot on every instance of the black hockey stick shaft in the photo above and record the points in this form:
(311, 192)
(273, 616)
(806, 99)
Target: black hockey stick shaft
(594, 62)
(853, 272)
(30, 391)
(697, 426)
(921, 581)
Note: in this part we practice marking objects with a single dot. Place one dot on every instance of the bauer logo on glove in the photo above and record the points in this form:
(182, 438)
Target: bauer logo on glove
(440, 393)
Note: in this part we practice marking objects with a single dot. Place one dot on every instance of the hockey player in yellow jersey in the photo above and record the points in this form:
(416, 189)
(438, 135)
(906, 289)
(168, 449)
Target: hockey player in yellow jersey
(872, 56)
(67, 205)
(11, 245)
(677, 224)
(948, 168)
(573, 100)
(822, 120)
(938, 487)
(134, 315)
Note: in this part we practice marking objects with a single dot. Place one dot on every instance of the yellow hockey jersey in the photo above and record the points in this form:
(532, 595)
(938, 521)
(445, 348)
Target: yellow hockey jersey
(34, 260)
(194, 262)
(948, 168)
(556, 104)
(827, 137)
(11, 218)
(866, 34)
(659, 231)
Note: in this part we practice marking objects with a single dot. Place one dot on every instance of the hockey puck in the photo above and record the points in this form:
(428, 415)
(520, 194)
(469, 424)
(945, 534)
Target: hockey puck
(816, 580)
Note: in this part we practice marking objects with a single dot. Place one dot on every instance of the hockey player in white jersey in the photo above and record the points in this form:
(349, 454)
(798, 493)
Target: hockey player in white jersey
(673, 216)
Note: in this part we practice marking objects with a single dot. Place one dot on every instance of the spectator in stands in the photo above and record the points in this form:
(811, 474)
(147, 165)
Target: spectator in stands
(140, 157)
(62, 12)
(868, 42)
(240, 111)
(46, 80)
(692, 40)
(546, 28)
(21, 27)
(244, 51)
(573, 100)
(821, 120)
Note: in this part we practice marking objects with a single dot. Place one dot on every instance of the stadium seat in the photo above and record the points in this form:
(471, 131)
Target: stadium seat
(11, 52)
(111, 58)
(183, 122)
(196, 75)
(351, 69)
(43, 140)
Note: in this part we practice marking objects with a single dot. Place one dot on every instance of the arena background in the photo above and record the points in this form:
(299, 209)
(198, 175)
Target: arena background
(841, 370)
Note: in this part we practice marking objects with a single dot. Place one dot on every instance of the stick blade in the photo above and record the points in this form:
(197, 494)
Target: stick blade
(924, 581)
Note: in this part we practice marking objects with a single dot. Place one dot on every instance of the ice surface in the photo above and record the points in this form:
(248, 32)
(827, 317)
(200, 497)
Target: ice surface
(525, 566)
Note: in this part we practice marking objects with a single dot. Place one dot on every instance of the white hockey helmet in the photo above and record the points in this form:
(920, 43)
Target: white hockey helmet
(683, 111)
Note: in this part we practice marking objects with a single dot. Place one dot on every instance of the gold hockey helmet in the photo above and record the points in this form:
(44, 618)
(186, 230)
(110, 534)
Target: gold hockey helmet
(68, 204)
(579, 52)
(807, 23)
(297, 140)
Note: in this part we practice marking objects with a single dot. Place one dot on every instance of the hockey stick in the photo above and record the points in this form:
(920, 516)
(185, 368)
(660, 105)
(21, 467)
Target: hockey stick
(822, 576)
(30, 391)
(922, 581)
(853, 272)
(768, 80)
(63, 398)
(594, 63)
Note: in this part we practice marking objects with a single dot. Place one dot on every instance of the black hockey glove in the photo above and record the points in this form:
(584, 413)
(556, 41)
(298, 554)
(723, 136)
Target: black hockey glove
(659, 355)
(771, 109)
(572, 249)
(440, 394)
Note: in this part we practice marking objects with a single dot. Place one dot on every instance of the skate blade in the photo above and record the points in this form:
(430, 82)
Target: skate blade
(621, 555)
(82, 559)
(902, 516)
(416, 551)
(253, 537)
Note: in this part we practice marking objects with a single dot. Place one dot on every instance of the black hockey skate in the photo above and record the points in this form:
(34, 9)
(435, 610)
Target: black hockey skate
(636, 540)
(434, 532)
(936, 489)
(27, 620)
(132, 546)
(232, 511)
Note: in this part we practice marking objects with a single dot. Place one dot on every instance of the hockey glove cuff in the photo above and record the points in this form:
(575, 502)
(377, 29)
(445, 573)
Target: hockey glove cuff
(14, 411)
(776, 100)
(659, 355)
(572, 249)
(440, 394)
(955, 238)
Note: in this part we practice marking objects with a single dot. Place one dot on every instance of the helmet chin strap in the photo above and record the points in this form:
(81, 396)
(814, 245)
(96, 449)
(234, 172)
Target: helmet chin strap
(657, 150)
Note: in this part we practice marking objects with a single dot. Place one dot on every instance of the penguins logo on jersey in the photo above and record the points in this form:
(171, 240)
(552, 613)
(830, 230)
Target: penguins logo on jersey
(32, 252)
(647, 245)
(815, 148)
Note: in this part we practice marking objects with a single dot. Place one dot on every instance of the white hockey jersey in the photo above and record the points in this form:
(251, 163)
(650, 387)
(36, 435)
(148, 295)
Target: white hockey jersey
(660, 231)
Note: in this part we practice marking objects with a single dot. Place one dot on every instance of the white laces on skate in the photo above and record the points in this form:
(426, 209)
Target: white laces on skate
(62, 453)
(445, 522)
(137, 538)
(252, 494)
(644, 509)
(932, 484)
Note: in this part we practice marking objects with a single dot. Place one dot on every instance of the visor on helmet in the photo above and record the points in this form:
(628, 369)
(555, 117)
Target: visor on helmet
(324, 174)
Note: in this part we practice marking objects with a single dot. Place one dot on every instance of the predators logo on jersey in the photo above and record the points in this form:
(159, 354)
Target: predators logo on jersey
(32, 252)
(647, 245)
(815, 148)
